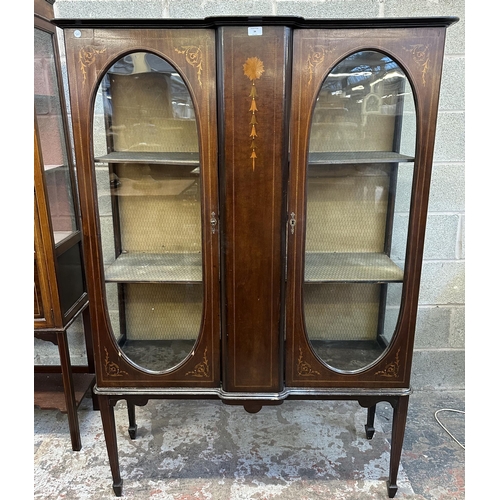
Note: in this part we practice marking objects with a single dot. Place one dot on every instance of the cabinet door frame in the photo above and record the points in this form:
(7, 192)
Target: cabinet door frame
(90, 53)
(419, 52)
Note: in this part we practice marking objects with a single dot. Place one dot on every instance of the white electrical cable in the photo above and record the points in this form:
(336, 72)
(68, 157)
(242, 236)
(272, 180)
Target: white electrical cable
(439, 422)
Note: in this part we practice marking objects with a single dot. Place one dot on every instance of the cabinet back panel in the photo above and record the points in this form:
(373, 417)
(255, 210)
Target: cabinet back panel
(158, 213)
(345, 135)
(347, 212)
(341, 312)
(143, 118)
(163, 312)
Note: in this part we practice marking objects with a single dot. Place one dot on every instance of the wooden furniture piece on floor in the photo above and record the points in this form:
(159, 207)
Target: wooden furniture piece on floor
(254, 193)
(60, 290)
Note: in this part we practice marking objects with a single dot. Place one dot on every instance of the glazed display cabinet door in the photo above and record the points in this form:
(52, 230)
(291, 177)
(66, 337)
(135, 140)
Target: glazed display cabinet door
(152, 160)
(352, 303)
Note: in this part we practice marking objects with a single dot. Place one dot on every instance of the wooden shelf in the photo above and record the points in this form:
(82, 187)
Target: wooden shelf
(351, 268)
(49, 390)
(356, 157)
(162, 158)
(155, 268)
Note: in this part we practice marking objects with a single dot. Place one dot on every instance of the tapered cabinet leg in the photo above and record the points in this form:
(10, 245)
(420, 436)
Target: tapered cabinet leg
(107, 409)
(69, 390)
(398, 431)
(370, 422)
(132, 425)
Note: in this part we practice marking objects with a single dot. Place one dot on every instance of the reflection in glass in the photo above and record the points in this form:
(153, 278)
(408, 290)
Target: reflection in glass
(362, 144)
(52, 140)
(148, 176)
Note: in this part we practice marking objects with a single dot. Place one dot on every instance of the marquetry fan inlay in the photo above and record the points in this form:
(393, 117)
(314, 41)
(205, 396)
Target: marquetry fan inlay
(253, 69)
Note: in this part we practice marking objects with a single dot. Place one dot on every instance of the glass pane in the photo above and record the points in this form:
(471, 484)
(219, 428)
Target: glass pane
(359, 179)
(148, 178)
(53, 144)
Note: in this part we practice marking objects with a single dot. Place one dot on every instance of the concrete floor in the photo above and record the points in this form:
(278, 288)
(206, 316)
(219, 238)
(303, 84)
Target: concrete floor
(198, 450)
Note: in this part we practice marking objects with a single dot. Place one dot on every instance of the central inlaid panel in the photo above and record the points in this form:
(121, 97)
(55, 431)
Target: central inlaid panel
(254, 69)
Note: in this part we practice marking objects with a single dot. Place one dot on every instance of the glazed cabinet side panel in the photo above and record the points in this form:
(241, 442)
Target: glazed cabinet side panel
(45, 295)
(419, 53)
(42, 304)
(90, 55)
(252, 90)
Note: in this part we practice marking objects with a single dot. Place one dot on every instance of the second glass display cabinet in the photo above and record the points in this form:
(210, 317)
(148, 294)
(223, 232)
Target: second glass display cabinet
(255, 197)
(60, 290)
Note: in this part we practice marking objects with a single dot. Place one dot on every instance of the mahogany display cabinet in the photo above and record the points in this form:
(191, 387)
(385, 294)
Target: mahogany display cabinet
(60, 293)
(254, 195)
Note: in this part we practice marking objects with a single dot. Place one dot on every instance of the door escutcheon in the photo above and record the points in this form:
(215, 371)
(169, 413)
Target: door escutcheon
(292, 222)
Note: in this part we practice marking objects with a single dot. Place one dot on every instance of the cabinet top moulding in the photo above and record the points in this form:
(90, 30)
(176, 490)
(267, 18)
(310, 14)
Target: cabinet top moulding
(290, 21)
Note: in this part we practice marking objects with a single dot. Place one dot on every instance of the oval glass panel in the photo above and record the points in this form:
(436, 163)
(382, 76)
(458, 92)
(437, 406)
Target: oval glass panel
(148, 178)
(359, 177)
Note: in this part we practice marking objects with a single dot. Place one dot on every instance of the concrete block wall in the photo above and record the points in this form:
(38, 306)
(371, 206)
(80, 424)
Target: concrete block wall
(439, 359)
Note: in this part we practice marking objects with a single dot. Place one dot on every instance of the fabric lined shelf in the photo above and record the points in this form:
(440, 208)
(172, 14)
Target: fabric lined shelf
(351, 268)
(187, 267)
(349, 157)
(163, 158)
(155, 268)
